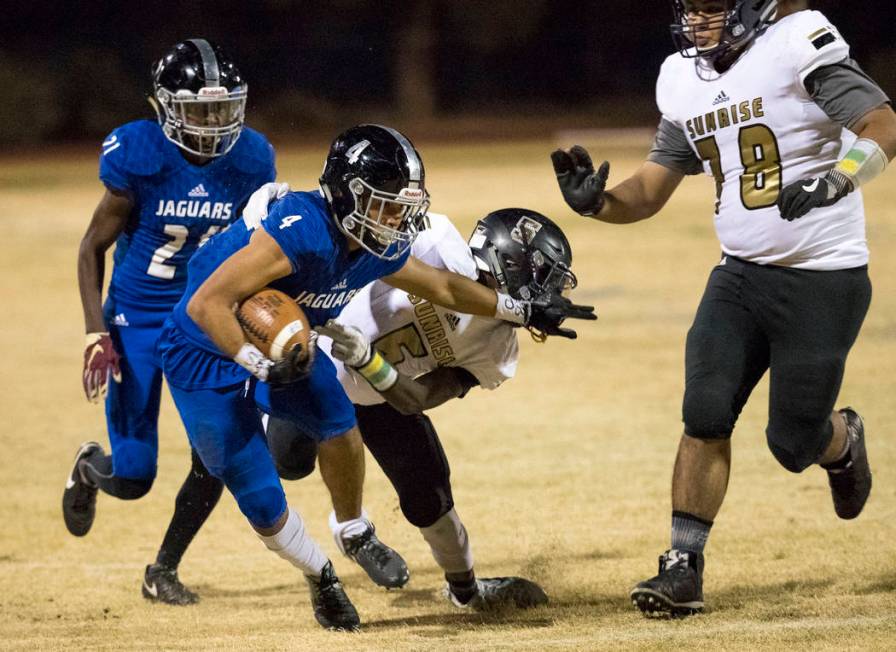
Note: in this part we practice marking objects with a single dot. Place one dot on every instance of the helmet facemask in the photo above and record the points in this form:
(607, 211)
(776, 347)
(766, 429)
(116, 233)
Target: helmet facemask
(736, 22)
(207, 123)
(384, 223)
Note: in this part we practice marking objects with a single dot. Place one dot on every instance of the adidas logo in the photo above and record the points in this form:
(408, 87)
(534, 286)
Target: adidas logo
(453, 320)
(198, 191)
(341, 285)
(721, 98)
(120, 320)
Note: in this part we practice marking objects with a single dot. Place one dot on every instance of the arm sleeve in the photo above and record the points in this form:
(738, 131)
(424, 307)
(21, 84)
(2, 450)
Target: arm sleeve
(672, 150)
(844, 92)
(113, 163)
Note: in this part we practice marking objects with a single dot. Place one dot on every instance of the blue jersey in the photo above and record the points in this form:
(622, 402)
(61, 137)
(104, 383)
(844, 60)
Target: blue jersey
(325, 276)
(177, 205)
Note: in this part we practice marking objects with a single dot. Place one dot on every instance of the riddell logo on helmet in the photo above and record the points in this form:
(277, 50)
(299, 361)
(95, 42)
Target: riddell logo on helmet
(213, 91)
(414, 194)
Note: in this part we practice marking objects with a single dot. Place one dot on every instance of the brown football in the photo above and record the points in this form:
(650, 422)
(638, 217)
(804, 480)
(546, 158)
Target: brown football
(274, 323)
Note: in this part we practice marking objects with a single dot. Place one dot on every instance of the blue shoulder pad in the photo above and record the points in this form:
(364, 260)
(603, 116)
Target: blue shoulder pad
(136, 148)
(252, 153)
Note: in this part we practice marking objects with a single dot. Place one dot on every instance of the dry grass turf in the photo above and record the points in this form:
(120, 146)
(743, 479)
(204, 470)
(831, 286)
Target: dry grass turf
(561, 476)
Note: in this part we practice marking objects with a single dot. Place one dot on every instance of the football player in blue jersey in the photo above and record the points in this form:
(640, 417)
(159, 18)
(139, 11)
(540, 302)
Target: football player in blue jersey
(169, 185)
(320, 248)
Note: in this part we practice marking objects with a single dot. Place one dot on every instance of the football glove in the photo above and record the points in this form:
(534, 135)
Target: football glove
(256, 209)
(350, 345)
(101, 361)
(549, 310)
(292, 367)
(582, 187)
(800, 197)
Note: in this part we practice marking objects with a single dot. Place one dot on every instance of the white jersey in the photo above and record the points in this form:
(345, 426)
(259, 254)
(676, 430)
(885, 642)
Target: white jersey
(757, 130)
(415, 336)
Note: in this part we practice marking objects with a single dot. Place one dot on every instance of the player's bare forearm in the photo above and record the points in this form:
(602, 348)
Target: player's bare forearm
(412, 396)
(879, 125)
(109, 220)
(444, 288)
(244, 273)
(640, 196)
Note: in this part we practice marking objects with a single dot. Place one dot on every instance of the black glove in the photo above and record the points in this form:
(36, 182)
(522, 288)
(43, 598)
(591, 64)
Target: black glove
(293, 366)
(548, 311)
(800, 197)
(582, 187)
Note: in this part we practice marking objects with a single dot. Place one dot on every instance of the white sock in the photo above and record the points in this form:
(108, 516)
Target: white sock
(348, 529)
(295, 546)
(450, 545)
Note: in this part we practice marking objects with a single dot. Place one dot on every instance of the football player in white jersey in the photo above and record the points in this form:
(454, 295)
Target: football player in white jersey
(764, 97)
(398, 356)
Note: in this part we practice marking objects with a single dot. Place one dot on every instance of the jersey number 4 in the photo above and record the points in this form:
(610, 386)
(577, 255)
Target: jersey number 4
(760, 183)
(158, 265)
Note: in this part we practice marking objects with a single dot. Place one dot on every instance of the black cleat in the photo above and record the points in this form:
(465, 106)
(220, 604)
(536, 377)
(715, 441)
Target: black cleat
(497, 593)
(382, 564)
(332, 608)
(677, 589)
(161, 584)
(851, 485)
(79, 497)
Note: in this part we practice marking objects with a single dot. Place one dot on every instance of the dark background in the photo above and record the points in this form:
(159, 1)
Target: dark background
(70, 72)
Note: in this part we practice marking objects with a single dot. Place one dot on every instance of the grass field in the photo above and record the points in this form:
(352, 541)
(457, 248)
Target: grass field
(561, 476)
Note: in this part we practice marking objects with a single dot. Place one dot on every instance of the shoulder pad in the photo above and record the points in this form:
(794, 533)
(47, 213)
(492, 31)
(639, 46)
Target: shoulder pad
(137, 147)
(252, 153)
(814, 42)
(442, 246)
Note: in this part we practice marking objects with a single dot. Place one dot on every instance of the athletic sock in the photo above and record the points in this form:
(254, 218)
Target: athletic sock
(462, 585)
(195, 501)
(843, 461)
(293, 544)
(344, 530)
(689, 532)
(450, 545)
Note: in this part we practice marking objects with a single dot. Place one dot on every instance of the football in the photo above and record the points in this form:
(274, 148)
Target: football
(274, 323)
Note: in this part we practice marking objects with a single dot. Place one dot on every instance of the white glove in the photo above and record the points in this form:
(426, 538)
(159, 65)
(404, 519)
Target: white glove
(256, 209)
(350, 345)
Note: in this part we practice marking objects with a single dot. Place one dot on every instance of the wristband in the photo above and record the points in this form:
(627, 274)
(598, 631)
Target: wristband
(512, 310)
(379, 373)
(862, 163)
(253, 361)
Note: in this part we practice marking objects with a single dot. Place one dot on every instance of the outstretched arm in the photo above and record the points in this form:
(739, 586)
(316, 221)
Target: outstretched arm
(637, 198)
(446, 289)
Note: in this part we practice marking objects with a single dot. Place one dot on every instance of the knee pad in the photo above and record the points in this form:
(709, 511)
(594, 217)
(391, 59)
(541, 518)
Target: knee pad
(294, 452)
(129, 489)
(798, 447)
(262, 506)
(707, 414)
(422, 508)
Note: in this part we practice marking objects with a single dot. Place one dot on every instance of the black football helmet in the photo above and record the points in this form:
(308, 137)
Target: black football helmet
(741, 21)
(200, 98)
(522, 253)
(374, 182)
